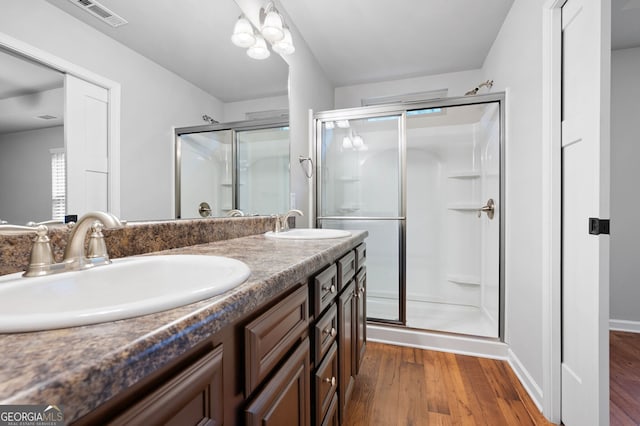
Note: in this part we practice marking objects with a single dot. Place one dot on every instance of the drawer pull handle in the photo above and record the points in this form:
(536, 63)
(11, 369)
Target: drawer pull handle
(331, 289)
(331, 380)
(330, 331)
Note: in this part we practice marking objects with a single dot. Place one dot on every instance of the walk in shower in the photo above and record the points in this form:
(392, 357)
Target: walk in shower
(224, 167)
(425, 180)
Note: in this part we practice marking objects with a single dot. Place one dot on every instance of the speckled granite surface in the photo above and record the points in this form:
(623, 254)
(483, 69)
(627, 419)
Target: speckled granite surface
(82, 367)
(137, 238)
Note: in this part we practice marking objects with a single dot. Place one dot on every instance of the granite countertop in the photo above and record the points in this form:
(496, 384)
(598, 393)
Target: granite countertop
(83, 367)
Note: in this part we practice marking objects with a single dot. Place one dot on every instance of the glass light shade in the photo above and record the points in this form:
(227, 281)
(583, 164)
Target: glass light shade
(243, 35)
(259, 50)
(346, 143)
(272, 27)
(357, 141)
(285, 46)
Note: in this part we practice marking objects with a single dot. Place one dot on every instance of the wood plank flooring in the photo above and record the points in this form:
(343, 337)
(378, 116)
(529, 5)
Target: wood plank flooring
(624, 361)
(411, 387)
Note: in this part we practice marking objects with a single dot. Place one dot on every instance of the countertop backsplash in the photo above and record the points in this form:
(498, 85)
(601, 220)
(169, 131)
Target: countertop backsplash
(137, 238)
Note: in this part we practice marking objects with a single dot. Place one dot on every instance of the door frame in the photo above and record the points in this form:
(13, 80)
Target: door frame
(401, 108)
(113, 88)
(551, 209)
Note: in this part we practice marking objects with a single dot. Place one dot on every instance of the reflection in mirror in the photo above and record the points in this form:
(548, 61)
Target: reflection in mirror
(242, 166)
(174, 63)
(31, 141)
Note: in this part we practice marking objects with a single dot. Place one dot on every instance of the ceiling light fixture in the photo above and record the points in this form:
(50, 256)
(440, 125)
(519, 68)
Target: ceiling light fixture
(272, 29)
(243, 35)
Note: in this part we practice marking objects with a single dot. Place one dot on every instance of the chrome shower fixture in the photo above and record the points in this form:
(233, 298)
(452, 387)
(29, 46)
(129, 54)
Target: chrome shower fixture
(209, 119)
(488, 84)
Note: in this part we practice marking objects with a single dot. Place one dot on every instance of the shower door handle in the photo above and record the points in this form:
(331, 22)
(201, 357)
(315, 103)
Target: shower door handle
(489, 209)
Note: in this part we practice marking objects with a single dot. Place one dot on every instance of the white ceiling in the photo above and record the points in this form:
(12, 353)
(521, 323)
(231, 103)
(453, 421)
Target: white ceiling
(359, 41)
(192, 38)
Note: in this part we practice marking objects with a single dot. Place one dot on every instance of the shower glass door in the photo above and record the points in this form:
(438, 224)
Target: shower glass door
(453, 218)
(360, 188)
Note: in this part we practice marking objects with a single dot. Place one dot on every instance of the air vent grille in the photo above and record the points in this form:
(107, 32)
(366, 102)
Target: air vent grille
(100, 12)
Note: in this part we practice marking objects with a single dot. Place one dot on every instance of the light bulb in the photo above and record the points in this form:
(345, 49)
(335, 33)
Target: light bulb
(285, 46)
(357, 141)
(243, 35)
(272, 27)
(259, 50)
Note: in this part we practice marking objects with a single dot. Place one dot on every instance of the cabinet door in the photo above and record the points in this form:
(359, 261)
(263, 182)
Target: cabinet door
(286, 398)
(194, 397)
(346, 346)
(361, 317)
(326, 384)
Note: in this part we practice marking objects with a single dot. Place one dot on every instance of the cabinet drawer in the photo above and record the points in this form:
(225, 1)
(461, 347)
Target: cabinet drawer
(270, 336)
(361, 256)
(346, 269)
(325, 289)
(285, 399)
(193, 397)
(324, 332)
(326, 383)
(331, 419)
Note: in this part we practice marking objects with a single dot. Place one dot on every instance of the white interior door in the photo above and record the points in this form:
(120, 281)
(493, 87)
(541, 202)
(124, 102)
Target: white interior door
(86, 145)
(585, 194)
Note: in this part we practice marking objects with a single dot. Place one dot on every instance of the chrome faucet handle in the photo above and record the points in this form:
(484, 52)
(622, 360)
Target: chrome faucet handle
(41, 257)
(277, 226)
(97, 250)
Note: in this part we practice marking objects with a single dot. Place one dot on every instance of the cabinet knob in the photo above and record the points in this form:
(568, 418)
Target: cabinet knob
(331, 380)
(362, 290)
(330, 331)
(331, 289)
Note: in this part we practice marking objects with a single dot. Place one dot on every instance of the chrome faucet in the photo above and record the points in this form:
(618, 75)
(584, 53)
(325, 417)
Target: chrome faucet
(41, 260)
(74, 254)
(282, 221)
(235, 213)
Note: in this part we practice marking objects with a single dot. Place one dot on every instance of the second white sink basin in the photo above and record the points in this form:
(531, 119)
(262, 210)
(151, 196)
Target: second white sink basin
(127, 288)
(308, 234)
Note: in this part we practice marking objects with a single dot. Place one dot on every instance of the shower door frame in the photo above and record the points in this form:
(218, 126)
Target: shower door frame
(234, 127)
(400, 109)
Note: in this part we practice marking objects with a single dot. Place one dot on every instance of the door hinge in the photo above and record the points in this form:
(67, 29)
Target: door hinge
(598, 226)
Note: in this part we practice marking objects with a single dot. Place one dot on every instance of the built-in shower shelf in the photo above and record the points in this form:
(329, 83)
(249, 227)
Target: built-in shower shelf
(349, 179)
(464, 279)
(470, 207)
(464, 174)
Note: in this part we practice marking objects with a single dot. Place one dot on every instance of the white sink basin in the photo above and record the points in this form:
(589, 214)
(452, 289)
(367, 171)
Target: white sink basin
(127, 288)
(308, 234)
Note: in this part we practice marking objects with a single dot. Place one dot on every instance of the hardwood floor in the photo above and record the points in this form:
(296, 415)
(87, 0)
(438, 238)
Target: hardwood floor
(411, 387)
(624, 361)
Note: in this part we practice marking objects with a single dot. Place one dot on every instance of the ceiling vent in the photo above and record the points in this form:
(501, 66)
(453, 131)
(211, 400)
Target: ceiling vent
(100, 12)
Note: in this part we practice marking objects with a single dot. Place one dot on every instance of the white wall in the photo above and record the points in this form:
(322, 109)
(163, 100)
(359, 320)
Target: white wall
(625, 202)
(457, 83)
(25, 174)
(515, 64)
(236, 111)
(153, 99)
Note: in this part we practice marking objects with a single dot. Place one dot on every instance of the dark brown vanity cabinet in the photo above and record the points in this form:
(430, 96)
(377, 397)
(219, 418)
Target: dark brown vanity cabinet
(339, 334)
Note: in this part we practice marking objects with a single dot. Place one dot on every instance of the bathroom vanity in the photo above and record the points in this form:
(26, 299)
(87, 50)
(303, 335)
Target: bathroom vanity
(282, 348)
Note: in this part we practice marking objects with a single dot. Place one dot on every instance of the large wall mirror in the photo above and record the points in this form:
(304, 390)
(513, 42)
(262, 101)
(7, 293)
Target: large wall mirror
(174, 63)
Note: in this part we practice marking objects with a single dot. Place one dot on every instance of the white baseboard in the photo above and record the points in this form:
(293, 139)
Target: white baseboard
(525, 378)
(624, 325)
(464, 345)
